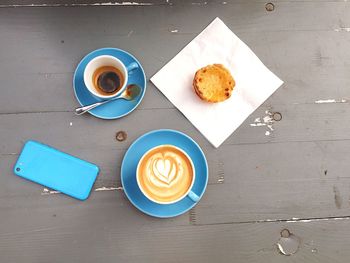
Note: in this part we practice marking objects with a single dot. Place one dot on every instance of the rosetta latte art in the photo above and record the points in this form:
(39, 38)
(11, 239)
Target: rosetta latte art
(165, 174)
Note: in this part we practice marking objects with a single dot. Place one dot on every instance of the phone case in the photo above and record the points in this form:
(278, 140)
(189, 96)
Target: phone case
(57, 170)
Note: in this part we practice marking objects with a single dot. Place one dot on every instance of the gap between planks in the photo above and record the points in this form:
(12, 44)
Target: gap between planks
(246, 143)
(291, 220)
(81, 4)
(316, 102)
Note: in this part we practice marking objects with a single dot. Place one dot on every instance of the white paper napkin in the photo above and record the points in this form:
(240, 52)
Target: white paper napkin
(254, 82)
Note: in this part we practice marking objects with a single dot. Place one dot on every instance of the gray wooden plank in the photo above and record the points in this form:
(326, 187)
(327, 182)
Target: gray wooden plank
(82, 3)
(77, 3)
(24, 214)
(152, 3)
(255, 180)
(93, 139)
(56, 47)
(243, 16)
(300, 122)
(279, 181)
(77, 237)
(302, 71)
(109, 162)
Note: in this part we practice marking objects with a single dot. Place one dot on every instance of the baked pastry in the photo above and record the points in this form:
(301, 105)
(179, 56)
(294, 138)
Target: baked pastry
(213, 83)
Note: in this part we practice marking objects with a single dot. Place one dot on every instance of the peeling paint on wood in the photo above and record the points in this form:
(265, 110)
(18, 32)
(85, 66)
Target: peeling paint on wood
(80, 4)
(267, 121)
(342, 29)
(108, 189)
(100, 189)
(331, 101)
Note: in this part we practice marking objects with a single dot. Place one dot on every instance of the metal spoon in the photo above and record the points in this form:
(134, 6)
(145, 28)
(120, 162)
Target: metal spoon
(130, 93)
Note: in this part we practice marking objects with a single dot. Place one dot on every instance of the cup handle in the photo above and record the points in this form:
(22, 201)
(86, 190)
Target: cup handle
(131, 67)
(194, 197)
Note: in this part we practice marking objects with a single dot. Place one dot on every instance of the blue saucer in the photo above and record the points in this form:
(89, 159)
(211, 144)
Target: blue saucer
(114, 109)
(134, 154)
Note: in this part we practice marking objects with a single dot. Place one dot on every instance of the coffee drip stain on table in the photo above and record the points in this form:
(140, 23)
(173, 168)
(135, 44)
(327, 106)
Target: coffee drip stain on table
(292, 178)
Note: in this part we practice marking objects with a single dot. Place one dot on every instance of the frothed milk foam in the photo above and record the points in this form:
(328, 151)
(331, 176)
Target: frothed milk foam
(165, 174)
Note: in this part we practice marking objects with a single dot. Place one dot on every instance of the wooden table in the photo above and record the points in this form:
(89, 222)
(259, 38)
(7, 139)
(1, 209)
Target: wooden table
(290, 173)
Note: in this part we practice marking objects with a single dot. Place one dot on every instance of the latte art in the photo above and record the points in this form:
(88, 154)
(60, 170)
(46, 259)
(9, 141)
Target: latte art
(165, 174)
(164, 168)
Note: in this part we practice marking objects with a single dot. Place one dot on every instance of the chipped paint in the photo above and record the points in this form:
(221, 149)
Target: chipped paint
(221, 179)
(120, 3)
(267, 121)
(344, 29)
(317, 219)
(257, 124)
(301, 220)
(71, 124)
(268, 118)
(130, 33)
(174, 31)
(289, 244)
(203, 3)
(49, 192)
(81, 4)
(331, 101)
(292, 220)
(103, 188)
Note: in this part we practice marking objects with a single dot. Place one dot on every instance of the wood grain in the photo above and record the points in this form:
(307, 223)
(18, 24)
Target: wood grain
(279, 181)
(269, 175)
(78, 236)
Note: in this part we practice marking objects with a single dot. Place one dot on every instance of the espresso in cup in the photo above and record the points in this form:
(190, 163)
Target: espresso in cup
(165, 174)
(106, 76)
(107, 80)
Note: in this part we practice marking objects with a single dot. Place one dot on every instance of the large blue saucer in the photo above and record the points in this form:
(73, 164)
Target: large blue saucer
(114, 109)
(134, 154)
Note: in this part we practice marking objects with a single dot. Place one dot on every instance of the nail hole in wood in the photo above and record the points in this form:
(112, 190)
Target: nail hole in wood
(325, 172)
(269, 7)
(121, 136)
(277, 116)
(18, 169)
(62, 41)
(285, 233)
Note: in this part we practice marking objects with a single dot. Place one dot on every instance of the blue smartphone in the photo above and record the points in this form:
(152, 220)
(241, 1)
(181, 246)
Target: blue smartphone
(57, 170)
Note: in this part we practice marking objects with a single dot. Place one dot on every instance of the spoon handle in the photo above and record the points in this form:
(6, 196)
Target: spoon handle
(82, 110)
